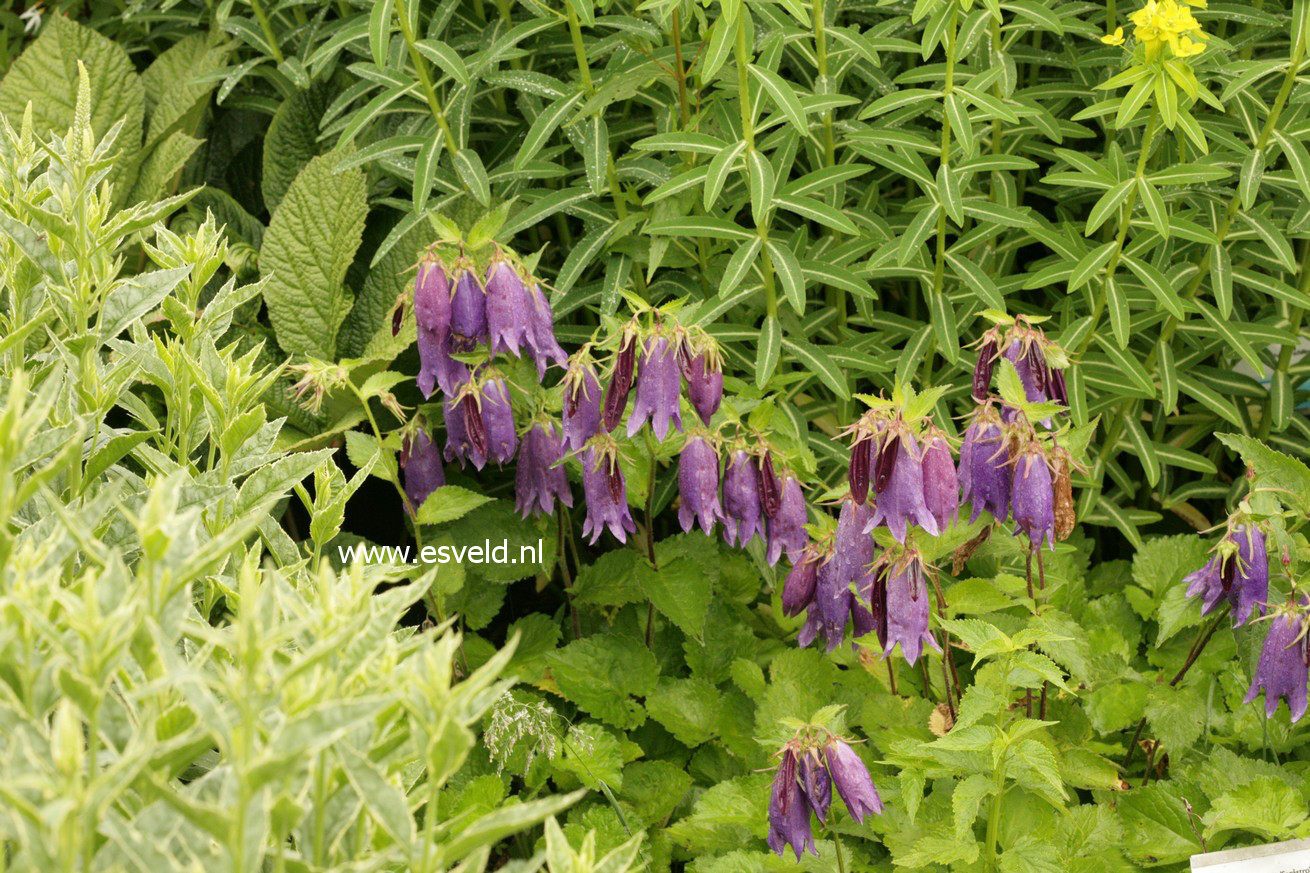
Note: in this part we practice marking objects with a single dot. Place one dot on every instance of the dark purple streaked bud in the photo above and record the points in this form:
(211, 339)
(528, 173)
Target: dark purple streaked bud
(798, 589)
(885, 463)
(816, 784)
(540, 478)
(541, 333)
(704, 385)
(861, 461)
(984, 477)
(852, 780)
(1282, 670)
(459, 442)
(770, 487)
(498, 419)
(869, 606)
(616, 396)
(789, 811)
(698, 485)
(742, 518)
(509, 309)
(1250, 588)
(1059, 391)
(786, 529)
(941, 487)
(581, 416)
(397, 318)
(982, 371)
(902, 503)
(468, 312)
(659, 397)
(605, 495)
(420, 462)
(1032, 497)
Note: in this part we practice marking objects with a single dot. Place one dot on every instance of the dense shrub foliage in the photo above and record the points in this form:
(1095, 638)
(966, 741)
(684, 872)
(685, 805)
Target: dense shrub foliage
(888, 416)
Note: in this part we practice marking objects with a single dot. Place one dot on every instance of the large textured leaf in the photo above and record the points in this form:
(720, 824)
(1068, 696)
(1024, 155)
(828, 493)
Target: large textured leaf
(309, 246)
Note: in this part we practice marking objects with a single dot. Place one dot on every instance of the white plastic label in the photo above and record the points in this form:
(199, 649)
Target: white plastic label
(1292, 856)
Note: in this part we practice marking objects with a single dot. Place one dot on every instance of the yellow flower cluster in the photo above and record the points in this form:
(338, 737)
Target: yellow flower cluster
(1164, 22)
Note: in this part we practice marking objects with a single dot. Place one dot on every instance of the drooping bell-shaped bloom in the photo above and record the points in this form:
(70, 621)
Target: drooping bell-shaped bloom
(606, 495)
(853, 551)
(432, 320)
(541, 333)
(1032, 496)
(659, 384)
(498, 420)
(742, 518)
(1031, 367)
(907, 609)
(789, 811)
(1250, 587)
(698, 485)
(616, 395)
(798, 588)
(941, 487)
(815, 783)
(901, 502)
(540, 478)
(468, 311)
(853, 781)
(985, 478)
(786, 529)
(1282, 670)
(466, 434)
(830, 608)
(704, 378)
(1237, 573)
(581, 416)
(420, 463)
(509, 309)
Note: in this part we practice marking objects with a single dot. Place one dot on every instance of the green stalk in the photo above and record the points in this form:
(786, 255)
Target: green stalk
(425, 77)
(748, 133)
(939, 267)
(821, 53)
(267, 26)
(1294, 318)
(1125, 221)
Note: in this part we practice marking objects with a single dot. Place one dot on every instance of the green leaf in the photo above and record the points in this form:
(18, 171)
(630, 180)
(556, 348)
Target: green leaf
(448, 503)
(766, 351)
(815, 361)
(1266, 806)
(683, 587)
(759, 173)
(1176, 716)
(788, 271)
(309, 245)
(468, 166)
(978, 281)
(687, 708)
(782, 95)
(384, 801)
(602, 673)
(1090, 264)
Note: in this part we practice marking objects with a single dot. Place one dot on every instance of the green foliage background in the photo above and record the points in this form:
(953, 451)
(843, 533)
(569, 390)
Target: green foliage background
(839, 190)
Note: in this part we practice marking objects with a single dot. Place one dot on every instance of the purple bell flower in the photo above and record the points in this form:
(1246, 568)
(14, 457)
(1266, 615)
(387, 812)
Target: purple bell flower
(1282, 670)
(540, 478)
(852, 780)
(466, 434)
(541, 332)
(798, 588)
(1238, 574)
(468, 311)
(907, 610)
(581, 416)
(498, 420)
(789, 811)
(606, 496)
(1031, 367)
(432, 318)
(698, 485)
(984, 477)
(616, 396)
(509, 309)
(830, 608)
(901, 502)
(420, 463)
(742, 518)
(853, 551)
(816, 785)
(658, 390)
(786, 529)
(1032, 497)
(704, 384)
(941, 487)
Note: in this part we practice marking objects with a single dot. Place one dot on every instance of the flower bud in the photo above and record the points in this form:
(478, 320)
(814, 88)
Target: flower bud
(581, 404)
(704, 380)
(815, 784)
(468, 311)
(862, 452)
(852, 780)
(468, 446)
(941, 487)
(982, 370)
(789, 811)
(420, 465)
(798, 588)
(616, 396)
(770, 487)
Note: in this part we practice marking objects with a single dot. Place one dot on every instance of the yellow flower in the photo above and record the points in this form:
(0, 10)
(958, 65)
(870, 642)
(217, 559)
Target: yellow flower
(1186, 48)
(1167, 22)
(1116, 38)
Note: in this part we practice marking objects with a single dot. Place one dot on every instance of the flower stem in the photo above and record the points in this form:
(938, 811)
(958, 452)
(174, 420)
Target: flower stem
(425, 78)
(939, 266)
(267, 26)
